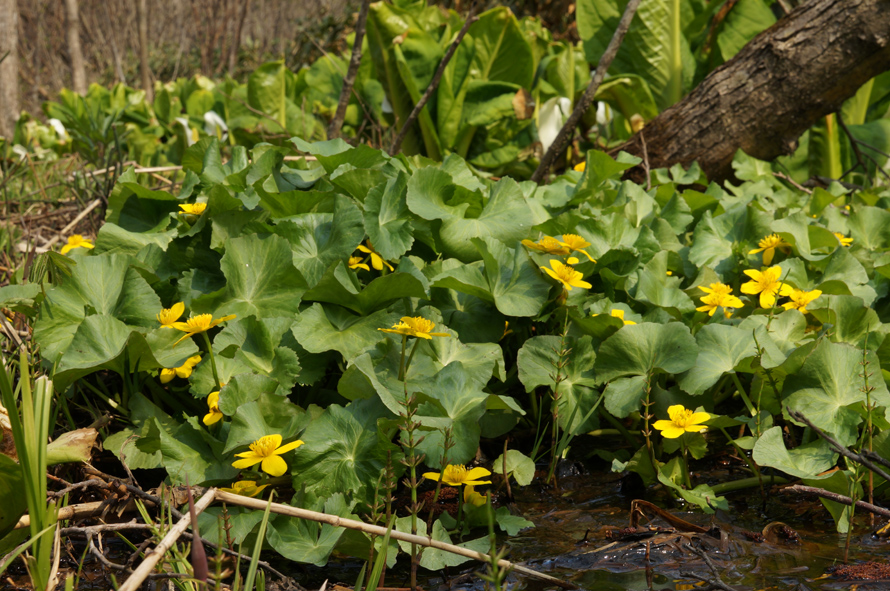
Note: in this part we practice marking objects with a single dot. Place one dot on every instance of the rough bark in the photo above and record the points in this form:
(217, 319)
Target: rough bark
(75, 53)
(144, 68)
(9, 67)
(774, 89)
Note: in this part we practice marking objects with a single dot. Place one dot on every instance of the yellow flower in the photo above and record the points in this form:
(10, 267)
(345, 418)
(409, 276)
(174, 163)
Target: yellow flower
(581, 166)
(682, 420)
(76, 241)
(843, 239)
(417, 326)
(213, 415)
(192, 208)
(245, 488)
(456, 475)
(268, 450)
(183, 371)
(198, 324)
(472, 497)
(719, 295)
(356, 263)
(768, 246)
(799, 298)
(548, 245)
(168, 316)
(576, 244)
(376, 260)
(566, 275)
(765, 283)
(619, 314)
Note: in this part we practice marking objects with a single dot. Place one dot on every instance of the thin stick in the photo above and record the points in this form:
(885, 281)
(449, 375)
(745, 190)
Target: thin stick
(428, 542)
(397, 143)
(833, 443)
(351, 71)
(562, 138)
(93, 205)
(854, 144)
(154, 556)
(821, 492)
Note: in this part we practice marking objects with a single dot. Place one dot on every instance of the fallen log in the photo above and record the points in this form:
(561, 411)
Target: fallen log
(781, 83)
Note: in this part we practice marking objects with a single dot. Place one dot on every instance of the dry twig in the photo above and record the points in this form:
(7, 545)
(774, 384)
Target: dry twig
(562, 138)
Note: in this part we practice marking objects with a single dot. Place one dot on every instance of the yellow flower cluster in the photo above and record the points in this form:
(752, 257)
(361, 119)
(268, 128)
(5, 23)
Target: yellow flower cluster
(564, 273)
(767, 284)
(719, 295)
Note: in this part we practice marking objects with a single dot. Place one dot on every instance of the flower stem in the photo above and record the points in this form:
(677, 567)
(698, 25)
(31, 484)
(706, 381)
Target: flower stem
(402, 358)
(410, 357)
(743, 394)
(212, 360)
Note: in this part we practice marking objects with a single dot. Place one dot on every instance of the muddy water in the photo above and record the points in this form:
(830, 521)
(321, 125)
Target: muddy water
(572, 541)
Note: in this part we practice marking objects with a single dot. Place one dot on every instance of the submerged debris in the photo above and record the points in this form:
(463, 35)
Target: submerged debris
(864, 571)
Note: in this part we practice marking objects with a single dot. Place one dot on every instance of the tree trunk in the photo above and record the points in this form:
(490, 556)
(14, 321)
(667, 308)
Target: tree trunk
(782, 82)
(9, 67)
(236, 40)
(78, 73)
(145, 70)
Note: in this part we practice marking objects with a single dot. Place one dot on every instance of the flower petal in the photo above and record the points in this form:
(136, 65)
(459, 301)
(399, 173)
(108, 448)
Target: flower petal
(247, 462)
(672, 432)
(699, 417)
(213, 417)
(275, 438)
(432, 476)
(274, 466)
(289, 446)
(477, 472)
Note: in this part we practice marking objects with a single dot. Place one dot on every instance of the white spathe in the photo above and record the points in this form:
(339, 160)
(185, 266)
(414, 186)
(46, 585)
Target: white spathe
(215, 125)
(551, 117)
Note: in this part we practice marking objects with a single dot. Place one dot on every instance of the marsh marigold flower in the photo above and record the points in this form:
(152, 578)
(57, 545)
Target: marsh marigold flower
(76, 241)
(768, 246)
(214, 415)
(681, 421)
(581, 166)
(168, 316)
(192, 208)
(245, 488)
(566, 274)
(799, 298)
(356, 263)
(619, 314)
(548, 245)
(266, 451)
(183, 371)
(457, 474)
(718, 295)
(576, 244)
(843, 239)
(418, 326)
(198, 324)
(765, 283)
(376, 260)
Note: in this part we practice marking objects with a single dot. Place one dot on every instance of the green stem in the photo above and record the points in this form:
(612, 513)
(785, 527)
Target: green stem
(687, 478)
(743, 394)
(727, 487)
(402, 358)
(411, 356)
(212, 360)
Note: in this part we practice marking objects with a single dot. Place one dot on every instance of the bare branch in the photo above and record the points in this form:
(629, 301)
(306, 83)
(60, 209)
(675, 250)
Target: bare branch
(562, 138)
